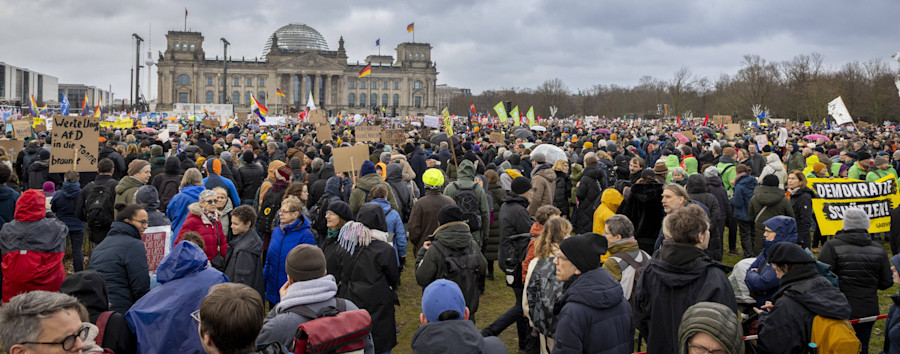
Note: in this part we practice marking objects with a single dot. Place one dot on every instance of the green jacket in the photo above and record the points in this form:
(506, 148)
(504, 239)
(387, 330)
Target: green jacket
(367, 182)
(575, 177)
(875, 175)
(857, 172)
(767, 202)
(467, 179)
(727, 173)
(455, 235)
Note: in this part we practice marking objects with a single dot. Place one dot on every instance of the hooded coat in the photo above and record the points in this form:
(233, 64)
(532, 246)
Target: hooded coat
(718, 190)
(726, 168)
(460, 336)
(121, 259)
(716, 320)
(67, 204)
(587, 193)
(644, 208)
(774, 202)
(679, 276)
(401, 190)
(609, 204)
(394, 226)
(862, 266)
(430, 266)
(243, 263)
(284, 239)
(252, 176)
(90, 289)
(562, 193)
(168, 182)
(514, 219)
(422, 219)
(149, 198)
(744, 189)
(8, 198)
(364, 185)
(801, 203)
(215, 179)
(593, 316)
(698, 190)
(161, 319)
(803, 294)
(774, 167)
(417, 162)
(177, 210)
(467, 179)
(763, 282)
(543, 181)
(32, 247)
(211, 231)
(126, 188)
(317, 188)
(268, 182)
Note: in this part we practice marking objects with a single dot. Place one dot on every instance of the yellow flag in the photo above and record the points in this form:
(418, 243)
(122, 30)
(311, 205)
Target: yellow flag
(448, 124)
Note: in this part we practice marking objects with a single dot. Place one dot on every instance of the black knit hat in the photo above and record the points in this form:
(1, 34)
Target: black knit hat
(770, 180)
(247, 156)
(788, 253)
(342, 209)
(520, 185)
(450, 213)
(584, 251)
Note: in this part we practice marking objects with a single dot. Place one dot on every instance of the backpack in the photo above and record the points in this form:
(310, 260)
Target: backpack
(98, 206)
(461, 267)
(467, 200)
(611, 176)
(629, 280)
(544, 283)
(834, 336)
(268, 210)
(317, 216)
(167, 191)
(331, 330)
(513, 249)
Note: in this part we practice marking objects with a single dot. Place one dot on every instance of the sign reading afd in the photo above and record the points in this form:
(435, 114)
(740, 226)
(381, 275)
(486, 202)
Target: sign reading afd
(835, 196)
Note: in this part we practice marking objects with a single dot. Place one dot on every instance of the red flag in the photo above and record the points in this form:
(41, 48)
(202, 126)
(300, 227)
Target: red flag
(706, 120)
(678, 120)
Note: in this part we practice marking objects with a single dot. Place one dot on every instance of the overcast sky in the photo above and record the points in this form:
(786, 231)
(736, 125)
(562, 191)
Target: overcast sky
(478, 44)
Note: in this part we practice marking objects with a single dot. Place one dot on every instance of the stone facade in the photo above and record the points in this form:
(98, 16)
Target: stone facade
(186, 75)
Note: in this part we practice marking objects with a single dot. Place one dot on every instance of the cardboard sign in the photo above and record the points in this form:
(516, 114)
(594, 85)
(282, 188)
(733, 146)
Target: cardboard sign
(156, 241)
(211, 123)
(317, 116)
(762, 140)
(688, 134)
(74, 144)
(21, 128)
(733, 128)
(394, 136)
(40, 128)
(370, 133)
(241, 119)
(497, 137)
(351, 158)
(433, 122)
(719, 119)
(173, 127)
(323, 133)
(789, 124)
(12, 147)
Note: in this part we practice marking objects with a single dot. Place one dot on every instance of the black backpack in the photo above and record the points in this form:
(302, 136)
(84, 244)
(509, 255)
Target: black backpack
(268, 210)
(99, 202)
(317, 214)
(461, 267)
(467, 200)
(167, 191)
(513, 249)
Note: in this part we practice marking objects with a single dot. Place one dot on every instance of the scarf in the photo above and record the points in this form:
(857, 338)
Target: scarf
(308, 292)
(279, 185)
(332, 233)
(213, 216)
(352, 234)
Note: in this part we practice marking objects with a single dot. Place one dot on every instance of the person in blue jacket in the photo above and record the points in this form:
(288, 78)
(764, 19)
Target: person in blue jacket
(394, 224)
(761, 278)
(744, 185)
(67, 206)
(291, 230)
(177, 210)
(161, 320)
(215, 179)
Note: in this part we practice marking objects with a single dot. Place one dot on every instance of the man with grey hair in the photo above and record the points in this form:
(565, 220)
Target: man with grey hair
(41, 322)
(274, 152)
(543, 181)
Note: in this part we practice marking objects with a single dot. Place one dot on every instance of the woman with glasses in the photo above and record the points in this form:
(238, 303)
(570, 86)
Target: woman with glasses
(761, 279)
(204, 219)
(291, 229)
(121, 258)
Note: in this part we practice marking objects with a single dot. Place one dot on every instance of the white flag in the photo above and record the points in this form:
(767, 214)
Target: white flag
(838, 111)
(309, 103)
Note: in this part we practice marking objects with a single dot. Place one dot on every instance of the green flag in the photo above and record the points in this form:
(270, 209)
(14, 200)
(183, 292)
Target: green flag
(515, 116)
(501, 111)
(530, 116)
(448, 124)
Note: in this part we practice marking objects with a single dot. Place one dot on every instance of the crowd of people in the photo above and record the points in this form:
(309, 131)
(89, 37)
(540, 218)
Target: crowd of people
(611, 238)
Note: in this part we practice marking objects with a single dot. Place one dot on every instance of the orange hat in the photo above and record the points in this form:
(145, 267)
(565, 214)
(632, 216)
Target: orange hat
(612, 137)
(818, 166)
(588, 145)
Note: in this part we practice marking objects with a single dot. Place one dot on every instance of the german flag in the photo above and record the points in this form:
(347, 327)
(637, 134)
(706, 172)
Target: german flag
(410, 27)
(279, 92)
(366, 71)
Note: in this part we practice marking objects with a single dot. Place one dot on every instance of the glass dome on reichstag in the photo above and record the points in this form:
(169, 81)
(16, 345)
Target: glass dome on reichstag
(296, 36)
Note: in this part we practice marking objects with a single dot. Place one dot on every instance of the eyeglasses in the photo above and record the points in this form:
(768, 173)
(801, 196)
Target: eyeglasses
(196, 316)
(284, 211)
(697, 349)
(210, 202)
(68, 343)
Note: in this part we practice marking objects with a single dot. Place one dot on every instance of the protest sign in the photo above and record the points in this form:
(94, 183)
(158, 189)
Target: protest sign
(733, 128)
(21, 128)
(39, 128)
(156, 241)
(12, 147)
(173, 127)
(74, 144)
(789, 124)
(688, 134)
(761, 140)
(351, 158)
(323, 133)
(432, 122)
(838, 111)
(210, 123)
(807, 124)
(497, 137)
(394, 136)
(163, 135)
(719, 119)
(317, 116)
(368, 133)
(834, 196)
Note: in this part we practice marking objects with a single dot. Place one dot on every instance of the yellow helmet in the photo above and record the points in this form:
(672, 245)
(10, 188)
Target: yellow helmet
(433, 177)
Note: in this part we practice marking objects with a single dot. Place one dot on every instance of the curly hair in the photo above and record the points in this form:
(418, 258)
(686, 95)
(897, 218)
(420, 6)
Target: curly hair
(555, 230)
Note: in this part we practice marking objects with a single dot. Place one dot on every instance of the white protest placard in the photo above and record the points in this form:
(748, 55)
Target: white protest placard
(157, 240)
(762, 140)
(839, 112)
(433, 122)
(163, 135)
(173, 127)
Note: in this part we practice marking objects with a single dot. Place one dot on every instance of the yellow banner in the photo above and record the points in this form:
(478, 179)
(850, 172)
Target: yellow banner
(834, 196)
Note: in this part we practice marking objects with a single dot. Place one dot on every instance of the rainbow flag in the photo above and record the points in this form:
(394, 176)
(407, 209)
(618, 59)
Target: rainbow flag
(99, 111)
(258, 108)
(410, 28)
(35, 111)
(207, 113)
(84, 106)
(366, 71)
(279, 92)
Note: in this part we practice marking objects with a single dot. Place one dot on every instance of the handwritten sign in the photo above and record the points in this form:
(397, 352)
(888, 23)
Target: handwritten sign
(394, 136)
(368, 133)
(720, 119)
(210, 123)
(733, 128)
(156, 240)
(323, 133)
(688, 134)
(762, 140)
(40, 128)
(497, 137)
(433, 122)
(173, 127)
(351, 158)
(12, 147)
(317, 116)
(74, 144)
(21, 128)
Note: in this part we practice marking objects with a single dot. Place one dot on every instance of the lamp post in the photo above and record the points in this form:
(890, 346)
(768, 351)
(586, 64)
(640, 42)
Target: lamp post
(225, 45)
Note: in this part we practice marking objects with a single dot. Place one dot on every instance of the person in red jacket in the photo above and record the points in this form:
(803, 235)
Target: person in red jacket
(33, 247)
(203, 218)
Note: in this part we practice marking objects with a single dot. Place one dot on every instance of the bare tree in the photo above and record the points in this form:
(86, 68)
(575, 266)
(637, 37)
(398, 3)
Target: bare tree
(758, 80)
(682, 86)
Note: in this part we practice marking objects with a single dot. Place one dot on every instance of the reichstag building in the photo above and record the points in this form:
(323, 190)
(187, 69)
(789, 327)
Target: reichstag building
(296, 59)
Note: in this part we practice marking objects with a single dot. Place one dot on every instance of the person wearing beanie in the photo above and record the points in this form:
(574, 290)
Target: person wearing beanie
(38, 172)
(368, 179)
(768, 201)
(861, 167)
(138, 175)
(819, 170)
(422, 221)
(784, 327)
(592, 313)
(680, 275)
(452, 240)
(252, 174)
(445, 327)
(862, 266)
(711, 326)
(214, 179)
(880, 169)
